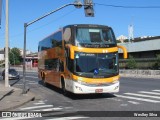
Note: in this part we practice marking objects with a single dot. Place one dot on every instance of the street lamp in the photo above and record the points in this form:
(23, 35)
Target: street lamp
(77, 4)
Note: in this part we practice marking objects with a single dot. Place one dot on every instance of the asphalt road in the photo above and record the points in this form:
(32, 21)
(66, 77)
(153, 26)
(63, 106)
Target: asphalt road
(136, 94)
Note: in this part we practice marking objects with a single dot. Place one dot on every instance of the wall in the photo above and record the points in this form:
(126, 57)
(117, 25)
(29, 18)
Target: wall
(1, 56)
(140, 73)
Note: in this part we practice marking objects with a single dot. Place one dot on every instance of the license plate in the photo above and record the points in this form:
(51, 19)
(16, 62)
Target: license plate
(98, 90)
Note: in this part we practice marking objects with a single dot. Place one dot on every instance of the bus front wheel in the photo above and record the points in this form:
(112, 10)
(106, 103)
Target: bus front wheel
(64, 91)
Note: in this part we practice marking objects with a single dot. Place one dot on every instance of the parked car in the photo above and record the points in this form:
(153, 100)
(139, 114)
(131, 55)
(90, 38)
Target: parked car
(13, 74)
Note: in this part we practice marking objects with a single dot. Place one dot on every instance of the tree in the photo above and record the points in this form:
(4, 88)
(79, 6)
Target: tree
(158, 60)
(126, 40)
(131, 63)
(14, 56)
(118, 41)
(157, 64)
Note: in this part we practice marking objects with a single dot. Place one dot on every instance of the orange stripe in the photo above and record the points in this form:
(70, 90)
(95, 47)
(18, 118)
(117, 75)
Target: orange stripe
(95, 50)
(91, 50)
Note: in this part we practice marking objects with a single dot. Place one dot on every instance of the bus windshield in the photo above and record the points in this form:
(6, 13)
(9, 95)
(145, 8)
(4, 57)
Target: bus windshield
(95, 36)
(104, 64)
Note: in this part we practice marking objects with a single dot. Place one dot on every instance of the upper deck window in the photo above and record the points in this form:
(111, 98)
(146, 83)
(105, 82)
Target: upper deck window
(95, 36)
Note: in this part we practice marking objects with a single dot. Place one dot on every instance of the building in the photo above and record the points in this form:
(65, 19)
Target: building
(122, 38)
(27, 52)
(144, 51)
(32, 60)
(1, 54)
(143, 48)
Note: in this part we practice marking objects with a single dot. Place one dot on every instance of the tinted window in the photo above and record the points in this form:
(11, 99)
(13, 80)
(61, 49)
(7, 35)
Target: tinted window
(52, 41)
(45, 44)
(56, 39)
(52, 64)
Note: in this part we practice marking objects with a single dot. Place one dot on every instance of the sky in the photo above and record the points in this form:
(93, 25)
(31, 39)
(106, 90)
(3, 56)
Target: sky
(145, 20)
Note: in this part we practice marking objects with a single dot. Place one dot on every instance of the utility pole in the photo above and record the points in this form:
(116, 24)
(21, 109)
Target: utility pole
(0, 12)
(6, 47)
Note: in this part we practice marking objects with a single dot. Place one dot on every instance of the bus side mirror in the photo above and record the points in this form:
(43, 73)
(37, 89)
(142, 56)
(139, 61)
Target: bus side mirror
(125, 55)
(67, 35)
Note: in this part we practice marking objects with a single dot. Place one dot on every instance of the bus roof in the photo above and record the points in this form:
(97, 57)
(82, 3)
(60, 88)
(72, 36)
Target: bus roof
(86, 25)
(77, 25)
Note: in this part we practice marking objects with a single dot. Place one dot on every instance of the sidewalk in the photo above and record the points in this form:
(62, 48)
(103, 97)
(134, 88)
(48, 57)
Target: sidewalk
(11, 97)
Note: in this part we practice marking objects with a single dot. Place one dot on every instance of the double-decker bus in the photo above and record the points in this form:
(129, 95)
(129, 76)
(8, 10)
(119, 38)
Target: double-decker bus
(81, 59)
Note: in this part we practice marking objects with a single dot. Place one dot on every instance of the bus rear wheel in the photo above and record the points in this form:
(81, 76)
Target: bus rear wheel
(43, 80)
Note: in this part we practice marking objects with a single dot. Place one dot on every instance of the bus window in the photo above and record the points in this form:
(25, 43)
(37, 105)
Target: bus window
(56, 39)
(94, 35)
(52, 64)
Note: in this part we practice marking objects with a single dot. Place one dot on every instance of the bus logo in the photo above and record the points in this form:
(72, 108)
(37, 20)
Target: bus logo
(96, 71)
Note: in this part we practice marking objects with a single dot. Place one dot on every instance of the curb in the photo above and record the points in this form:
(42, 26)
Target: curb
(5, 94)
(140, 76)
(20, 103)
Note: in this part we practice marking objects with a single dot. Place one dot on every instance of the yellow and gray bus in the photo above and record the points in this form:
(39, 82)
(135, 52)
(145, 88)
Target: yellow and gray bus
(80, 58)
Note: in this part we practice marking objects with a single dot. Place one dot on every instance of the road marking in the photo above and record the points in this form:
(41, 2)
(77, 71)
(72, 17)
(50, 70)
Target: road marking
(32, 83)
(133, 102)
(41, 103)
(140, 99)
(142, 95)
(156, 90)
(149, 92)
(27, 83)
(49, 109)
(31, 77)
(34, 107)
(68, 107)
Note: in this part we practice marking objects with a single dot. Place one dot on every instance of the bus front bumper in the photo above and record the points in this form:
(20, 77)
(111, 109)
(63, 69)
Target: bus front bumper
(79, 88)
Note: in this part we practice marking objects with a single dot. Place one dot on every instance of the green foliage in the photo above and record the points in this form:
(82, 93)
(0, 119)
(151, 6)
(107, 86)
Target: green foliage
(2, 63)
(14, 56)
(126, 40)
(118, 41)
(157, 64)
(131, 63)
(158, 60)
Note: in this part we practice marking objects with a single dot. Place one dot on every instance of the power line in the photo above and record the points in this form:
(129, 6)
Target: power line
(53, 20)
(19, 34)
(121, 6)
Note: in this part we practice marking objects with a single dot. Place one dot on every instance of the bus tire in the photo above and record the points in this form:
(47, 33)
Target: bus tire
(64, 91)
(43, 80)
